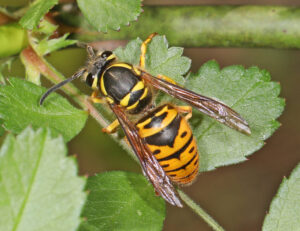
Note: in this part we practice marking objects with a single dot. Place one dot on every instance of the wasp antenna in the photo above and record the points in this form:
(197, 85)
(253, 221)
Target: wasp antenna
(57, 86)
(88, 48)
(81, 44)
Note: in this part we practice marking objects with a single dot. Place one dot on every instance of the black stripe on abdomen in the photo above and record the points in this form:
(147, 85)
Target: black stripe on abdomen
(177, 153)
(185, 177)
(185, 165)
(167, 135)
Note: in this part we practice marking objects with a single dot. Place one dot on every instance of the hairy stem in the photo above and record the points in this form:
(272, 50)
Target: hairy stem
(214, 26)
(198, 210)
(189, 26)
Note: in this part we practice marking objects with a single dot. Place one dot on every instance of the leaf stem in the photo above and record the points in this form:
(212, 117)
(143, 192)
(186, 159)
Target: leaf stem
(53, 75)
(199, 211)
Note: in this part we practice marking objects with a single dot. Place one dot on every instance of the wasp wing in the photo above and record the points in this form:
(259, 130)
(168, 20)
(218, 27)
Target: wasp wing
(208, 106)
(151, 168)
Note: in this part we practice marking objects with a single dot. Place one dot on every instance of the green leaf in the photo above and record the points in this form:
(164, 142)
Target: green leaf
(6, 64)
(122, 201)
(103, 14)
(285, 207)
(36, 12)
(248, 91)
(39, 186)
(45, 28)
(160, 59)
(19, 107)
(131, 53)
(47, 46)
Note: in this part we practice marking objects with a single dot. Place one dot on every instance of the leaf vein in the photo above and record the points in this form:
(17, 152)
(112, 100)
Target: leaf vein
(22, 209)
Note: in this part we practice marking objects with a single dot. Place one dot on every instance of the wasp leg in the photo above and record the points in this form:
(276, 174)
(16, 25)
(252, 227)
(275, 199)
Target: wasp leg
(166, 78)
(112, 127)
(127, 142)
(95, 98)
(185, 109)
(144, 50)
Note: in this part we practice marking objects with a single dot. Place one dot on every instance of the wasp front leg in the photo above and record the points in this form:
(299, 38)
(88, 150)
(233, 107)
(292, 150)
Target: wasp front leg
(144, 50)
(114, 125)
(185, 109)
(95, 97)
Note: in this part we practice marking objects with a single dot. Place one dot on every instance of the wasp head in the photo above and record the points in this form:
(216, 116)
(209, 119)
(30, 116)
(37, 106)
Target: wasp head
(97, 63)
(96, 66)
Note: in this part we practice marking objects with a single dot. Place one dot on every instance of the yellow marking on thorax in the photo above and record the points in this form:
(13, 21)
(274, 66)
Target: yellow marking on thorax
(121, 65)
(94, 85)
(102, 87)
(133, 105)
(140, 85)
(124, 102)
(144, 94)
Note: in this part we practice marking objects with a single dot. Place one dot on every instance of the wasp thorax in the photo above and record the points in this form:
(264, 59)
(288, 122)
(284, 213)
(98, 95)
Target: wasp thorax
(96, 67)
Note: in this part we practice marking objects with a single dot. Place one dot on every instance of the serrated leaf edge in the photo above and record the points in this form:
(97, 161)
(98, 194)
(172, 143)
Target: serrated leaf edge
(279, 191)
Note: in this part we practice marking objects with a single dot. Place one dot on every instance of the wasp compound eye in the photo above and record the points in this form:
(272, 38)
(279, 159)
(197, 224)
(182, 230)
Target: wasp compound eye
(90, 79)
(106, 54)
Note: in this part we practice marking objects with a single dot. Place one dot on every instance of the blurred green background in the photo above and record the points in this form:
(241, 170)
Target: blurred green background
(237, 196)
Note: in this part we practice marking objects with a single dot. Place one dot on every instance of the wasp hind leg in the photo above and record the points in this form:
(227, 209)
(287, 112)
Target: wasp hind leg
(185, 109)
(166, 78)
(144, 50)
(143, 58)
(112, 127)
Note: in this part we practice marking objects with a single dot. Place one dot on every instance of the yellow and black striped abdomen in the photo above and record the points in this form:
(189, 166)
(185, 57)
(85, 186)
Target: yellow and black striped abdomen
(170, 139)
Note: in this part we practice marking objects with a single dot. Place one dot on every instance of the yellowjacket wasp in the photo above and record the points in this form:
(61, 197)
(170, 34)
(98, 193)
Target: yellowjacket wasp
(162, 138)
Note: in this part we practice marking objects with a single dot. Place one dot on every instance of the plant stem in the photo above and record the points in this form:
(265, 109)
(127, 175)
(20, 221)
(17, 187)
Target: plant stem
(214, 26)
(198, 210)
